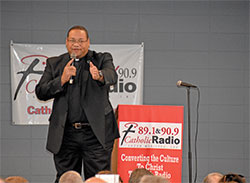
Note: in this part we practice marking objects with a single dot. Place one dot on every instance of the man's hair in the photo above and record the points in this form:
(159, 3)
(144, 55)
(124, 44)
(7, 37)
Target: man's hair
(71, 177)
(213, 177)
(16, 179)
(78, 27)
(153, 179)
(137, 174)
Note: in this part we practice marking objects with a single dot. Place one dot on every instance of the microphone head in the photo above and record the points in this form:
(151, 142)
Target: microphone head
(179, 83)
(184, 84)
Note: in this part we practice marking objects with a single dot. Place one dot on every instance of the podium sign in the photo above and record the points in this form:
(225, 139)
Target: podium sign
(151, 138)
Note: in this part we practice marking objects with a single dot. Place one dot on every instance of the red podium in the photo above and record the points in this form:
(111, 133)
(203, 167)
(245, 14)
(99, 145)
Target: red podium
(151, 138)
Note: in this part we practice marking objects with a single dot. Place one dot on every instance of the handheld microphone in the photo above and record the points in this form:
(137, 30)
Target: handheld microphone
(184, 84)
(73, 55)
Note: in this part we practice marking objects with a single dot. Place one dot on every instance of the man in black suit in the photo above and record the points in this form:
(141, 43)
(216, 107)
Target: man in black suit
(82, 126)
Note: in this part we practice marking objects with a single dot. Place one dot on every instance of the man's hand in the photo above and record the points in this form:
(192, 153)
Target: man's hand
(95, 72)
(68, 71)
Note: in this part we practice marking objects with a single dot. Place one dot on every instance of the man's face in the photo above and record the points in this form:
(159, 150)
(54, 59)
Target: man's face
(77, 43)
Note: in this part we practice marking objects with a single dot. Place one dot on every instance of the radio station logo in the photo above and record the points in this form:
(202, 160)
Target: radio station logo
(32, 61)
(157, 135)
(31, 65)
(125, 83)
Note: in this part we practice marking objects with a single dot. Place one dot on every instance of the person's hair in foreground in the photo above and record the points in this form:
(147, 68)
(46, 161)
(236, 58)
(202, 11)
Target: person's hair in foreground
(95, 180)
(1, 180)
(232, 178)
(137, 174)
(16, 179)
(71, 177)
(153, 179)
(213, 177)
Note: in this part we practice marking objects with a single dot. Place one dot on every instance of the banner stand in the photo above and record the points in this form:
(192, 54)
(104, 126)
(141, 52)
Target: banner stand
(151, 138)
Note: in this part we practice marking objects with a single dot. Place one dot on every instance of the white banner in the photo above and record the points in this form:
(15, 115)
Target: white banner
(27, 65)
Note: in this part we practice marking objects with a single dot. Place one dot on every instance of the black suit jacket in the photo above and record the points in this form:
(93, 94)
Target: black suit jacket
(94, 98)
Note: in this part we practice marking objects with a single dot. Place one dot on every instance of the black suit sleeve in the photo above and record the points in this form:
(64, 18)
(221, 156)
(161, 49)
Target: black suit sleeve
(50, 83)
(108, 69)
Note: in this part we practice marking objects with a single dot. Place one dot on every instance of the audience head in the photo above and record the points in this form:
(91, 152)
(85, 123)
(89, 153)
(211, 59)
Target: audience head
(16, 179)
(71, 177)
(95, 180)
(213, 177)
(137, 174)
(1, 180)
(153, 179)
(233, 178)
(105, 172)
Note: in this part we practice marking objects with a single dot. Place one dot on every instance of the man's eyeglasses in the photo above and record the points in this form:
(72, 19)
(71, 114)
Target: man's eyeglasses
(80, 41)
(234, 178)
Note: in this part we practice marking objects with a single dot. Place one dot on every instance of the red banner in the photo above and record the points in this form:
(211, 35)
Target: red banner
(151, 138)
